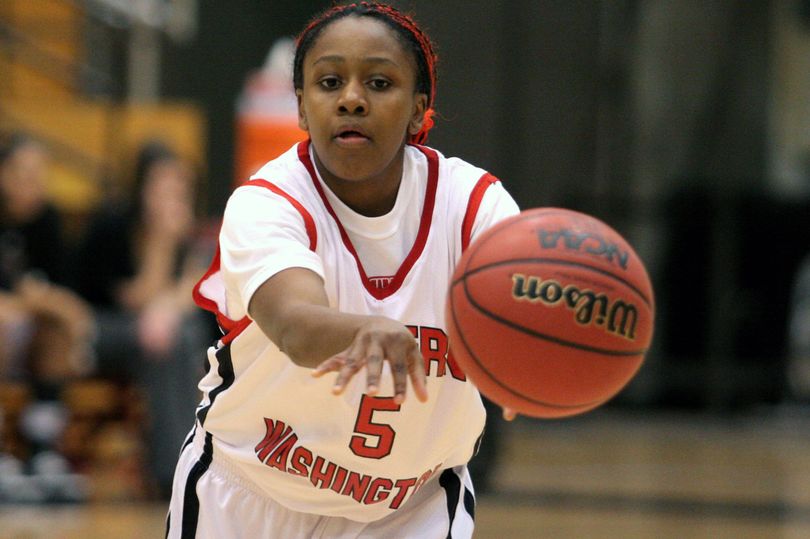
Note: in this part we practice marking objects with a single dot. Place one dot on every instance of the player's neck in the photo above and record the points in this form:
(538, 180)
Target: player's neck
(373, 196)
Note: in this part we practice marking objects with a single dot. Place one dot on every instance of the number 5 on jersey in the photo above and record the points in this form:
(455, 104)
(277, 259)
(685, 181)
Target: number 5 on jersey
(362, 444)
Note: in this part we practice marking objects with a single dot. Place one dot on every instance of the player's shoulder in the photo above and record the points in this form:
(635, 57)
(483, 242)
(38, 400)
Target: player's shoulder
(458, 178)
(284, 177)
(286, 170)
(455, 169)
(283, 181)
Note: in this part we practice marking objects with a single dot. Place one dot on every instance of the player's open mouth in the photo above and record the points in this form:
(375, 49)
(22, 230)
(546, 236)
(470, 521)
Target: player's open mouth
(351, 136)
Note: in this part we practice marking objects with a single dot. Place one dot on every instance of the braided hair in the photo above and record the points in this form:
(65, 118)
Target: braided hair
(407, 30)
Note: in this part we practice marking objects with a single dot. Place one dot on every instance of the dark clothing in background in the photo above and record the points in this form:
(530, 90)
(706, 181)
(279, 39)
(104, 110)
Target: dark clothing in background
(34, 247)
(107, 259)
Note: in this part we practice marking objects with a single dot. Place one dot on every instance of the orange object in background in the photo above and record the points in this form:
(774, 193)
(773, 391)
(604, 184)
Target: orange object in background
(267, 113)
(259, 139)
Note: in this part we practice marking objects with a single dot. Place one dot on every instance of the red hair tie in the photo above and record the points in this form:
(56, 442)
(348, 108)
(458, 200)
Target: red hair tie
(427, 125)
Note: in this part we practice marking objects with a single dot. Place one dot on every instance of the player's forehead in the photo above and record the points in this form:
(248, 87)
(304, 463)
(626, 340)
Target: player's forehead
(361, 38)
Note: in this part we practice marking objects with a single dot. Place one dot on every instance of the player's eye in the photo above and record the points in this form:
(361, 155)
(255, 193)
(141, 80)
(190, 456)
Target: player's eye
(379, 83)
(329, 83)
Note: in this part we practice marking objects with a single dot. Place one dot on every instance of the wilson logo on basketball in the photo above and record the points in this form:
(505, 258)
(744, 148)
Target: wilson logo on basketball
(585, 242)
(618, 317)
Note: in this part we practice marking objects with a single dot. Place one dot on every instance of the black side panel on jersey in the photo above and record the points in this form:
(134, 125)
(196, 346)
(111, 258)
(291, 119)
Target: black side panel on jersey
(451, 484)
(191, 504)
(225, 371)
(469, 502)
(189, 438)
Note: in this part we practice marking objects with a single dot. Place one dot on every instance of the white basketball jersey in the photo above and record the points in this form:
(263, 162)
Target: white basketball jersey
(353, 455)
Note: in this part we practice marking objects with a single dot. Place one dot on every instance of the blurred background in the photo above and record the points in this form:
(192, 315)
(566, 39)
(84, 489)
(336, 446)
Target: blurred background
(685, 124)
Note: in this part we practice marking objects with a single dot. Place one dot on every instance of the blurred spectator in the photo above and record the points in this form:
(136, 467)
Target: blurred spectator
(799, 336)
(44, 327)
(137, 267)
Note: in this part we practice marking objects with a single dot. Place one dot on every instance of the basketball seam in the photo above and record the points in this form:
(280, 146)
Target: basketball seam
(492, 376)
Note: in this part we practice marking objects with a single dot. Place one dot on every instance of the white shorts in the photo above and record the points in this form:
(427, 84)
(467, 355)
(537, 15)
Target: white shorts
(210, 501)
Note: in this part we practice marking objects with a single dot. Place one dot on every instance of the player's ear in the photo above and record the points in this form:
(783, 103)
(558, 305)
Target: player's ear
(418, 115)
(302, 117)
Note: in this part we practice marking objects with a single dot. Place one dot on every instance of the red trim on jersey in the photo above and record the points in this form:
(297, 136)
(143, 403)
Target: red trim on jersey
(236, 329)
(202, 301)
(233, 328)
(421, 235)
(473, 204)
(309, 222)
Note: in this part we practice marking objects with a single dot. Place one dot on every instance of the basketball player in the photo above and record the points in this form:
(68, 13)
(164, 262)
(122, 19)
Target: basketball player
(336, 258)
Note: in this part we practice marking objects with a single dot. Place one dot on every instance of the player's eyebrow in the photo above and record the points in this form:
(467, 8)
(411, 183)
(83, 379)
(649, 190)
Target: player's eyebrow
(335, 58)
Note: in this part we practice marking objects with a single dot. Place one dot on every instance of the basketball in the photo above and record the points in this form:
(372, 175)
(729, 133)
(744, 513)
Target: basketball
(550, 313)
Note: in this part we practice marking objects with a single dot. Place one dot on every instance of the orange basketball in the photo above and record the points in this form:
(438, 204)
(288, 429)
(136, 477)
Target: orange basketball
(550, 312)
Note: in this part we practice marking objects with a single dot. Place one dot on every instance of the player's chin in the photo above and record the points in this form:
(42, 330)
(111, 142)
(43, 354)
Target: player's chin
(353, 166)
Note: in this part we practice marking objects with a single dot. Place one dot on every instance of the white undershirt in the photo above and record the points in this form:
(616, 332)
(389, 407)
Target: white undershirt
(383, 242)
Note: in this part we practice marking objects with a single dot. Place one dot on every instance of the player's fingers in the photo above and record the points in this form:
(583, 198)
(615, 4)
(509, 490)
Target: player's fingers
(417, 374)
(399, 370)
(332, 364)
(374, 367)
(509, 414)
(349, 369)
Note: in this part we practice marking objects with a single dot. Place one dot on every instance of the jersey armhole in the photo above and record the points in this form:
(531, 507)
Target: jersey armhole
(232, 328)
(474, 203)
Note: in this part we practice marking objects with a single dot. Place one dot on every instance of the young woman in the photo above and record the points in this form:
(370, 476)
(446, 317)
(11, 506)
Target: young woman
(44, 326)
(139, 261)
(336, 258)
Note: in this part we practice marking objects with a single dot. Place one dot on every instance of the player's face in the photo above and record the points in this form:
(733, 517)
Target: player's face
(359, 102)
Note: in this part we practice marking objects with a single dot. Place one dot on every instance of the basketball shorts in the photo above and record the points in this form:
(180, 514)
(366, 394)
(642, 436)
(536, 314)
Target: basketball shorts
(210, 500)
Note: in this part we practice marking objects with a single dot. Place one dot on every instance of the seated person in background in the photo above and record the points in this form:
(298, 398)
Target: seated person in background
(44, 327)
(138, 265)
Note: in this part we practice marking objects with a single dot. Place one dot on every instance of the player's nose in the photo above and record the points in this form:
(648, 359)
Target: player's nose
(352, 99)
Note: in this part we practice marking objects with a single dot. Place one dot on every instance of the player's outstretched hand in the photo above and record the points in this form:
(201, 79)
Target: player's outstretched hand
(379, 340)
(509, 414)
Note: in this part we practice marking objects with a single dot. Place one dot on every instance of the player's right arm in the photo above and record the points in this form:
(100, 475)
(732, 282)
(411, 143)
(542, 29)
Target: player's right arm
(267, 261)
(293, 311)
